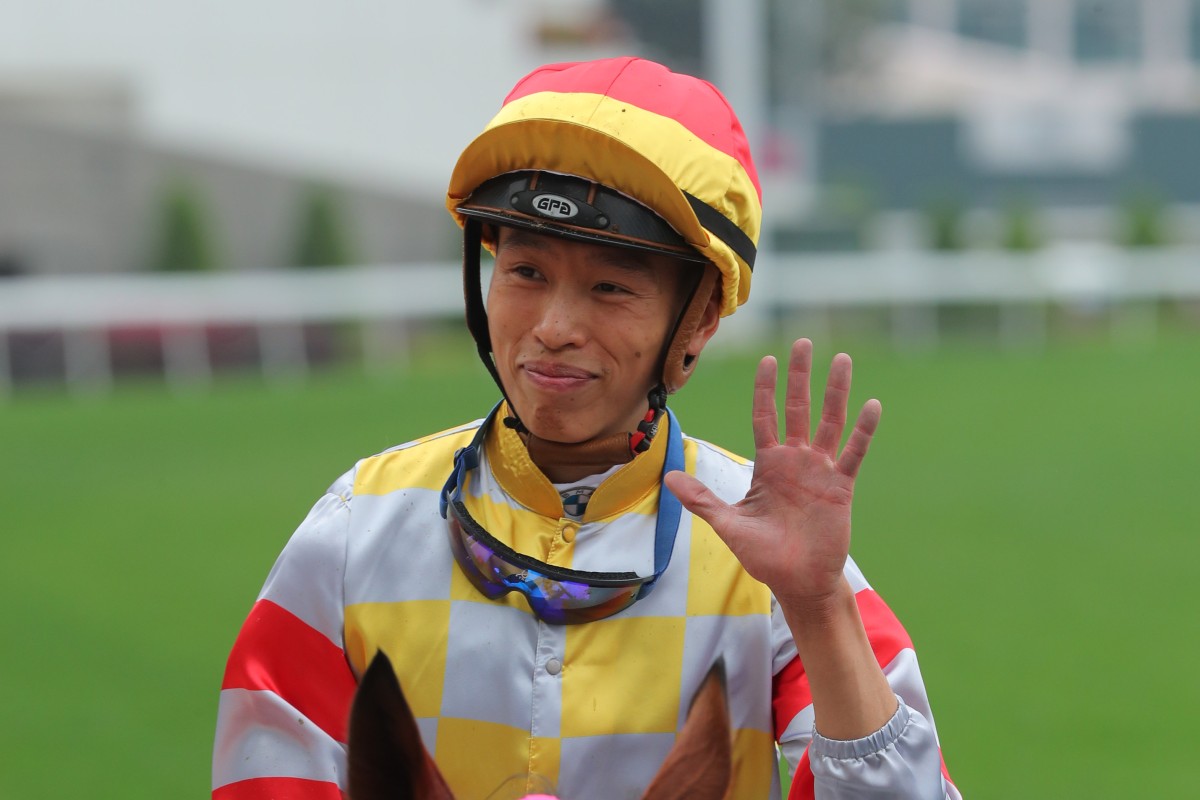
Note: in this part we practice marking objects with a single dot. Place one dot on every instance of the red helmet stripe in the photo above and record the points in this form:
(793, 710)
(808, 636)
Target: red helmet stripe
(653, 88)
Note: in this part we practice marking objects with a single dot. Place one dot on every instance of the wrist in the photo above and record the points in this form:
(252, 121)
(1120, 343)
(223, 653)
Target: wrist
(820, 611)
(850, 694)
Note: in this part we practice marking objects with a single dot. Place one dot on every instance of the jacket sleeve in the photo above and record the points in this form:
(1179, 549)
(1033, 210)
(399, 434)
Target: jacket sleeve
(285, 697)
(900, 760)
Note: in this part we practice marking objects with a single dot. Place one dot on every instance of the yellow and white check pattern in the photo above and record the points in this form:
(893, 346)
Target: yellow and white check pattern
(499, 693)
(503, 698)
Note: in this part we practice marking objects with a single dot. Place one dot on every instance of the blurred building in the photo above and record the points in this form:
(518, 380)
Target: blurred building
(1072, 106)
(107, 111)
(1071, 100)
(866, 107)
(1078, 107)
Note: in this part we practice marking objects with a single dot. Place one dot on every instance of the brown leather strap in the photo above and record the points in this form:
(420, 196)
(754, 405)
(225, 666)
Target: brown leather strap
(594, 456)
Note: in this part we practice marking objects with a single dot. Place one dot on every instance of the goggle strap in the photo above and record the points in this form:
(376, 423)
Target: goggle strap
(669, 508)
(466, 459)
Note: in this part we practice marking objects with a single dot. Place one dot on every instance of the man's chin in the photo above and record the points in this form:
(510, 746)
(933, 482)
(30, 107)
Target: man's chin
(565, 429)
(567, 424)
(558, 433)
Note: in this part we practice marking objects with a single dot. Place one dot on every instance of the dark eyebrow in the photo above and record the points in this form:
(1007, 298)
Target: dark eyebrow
(632, 261)
(622, 258)
(518, 237)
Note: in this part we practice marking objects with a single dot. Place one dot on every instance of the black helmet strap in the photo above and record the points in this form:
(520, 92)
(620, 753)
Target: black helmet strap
(477, 321)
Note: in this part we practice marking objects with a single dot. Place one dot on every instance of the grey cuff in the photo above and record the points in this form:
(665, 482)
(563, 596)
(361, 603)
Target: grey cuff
(876, 742)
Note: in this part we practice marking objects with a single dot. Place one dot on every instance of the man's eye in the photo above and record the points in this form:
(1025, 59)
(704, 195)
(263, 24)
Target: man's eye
(608, 288)
(525, 271)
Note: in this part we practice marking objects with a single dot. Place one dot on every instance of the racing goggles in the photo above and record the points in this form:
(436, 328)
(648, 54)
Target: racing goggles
(557, 595)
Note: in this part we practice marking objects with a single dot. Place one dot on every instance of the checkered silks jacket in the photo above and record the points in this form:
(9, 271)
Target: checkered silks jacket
(591, 708)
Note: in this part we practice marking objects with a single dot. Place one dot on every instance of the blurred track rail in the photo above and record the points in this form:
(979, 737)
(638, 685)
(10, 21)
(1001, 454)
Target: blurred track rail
(910, 286)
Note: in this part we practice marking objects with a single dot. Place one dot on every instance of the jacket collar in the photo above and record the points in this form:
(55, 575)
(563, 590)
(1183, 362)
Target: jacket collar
(520, 478)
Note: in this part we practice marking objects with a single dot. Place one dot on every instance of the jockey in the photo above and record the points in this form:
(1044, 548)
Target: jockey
(552, 583)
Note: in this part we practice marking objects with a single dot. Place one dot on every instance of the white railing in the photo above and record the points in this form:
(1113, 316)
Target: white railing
(1023, 287)
(180, 306)
(912, 285)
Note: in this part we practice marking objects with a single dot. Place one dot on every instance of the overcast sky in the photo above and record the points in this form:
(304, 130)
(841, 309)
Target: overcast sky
(387, 90)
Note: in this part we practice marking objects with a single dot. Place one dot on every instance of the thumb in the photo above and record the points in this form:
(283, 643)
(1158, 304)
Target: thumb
(698, 499)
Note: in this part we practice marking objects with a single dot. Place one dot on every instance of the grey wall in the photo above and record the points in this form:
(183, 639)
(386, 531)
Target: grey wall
(79, 200)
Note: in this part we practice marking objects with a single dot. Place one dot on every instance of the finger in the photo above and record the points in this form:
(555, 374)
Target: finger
(860, 438)
(764, 416)
(700, 500)
(833, 411)
(798, 405)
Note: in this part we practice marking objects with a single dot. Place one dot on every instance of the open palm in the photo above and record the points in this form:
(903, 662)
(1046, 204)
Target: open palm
(792, 529)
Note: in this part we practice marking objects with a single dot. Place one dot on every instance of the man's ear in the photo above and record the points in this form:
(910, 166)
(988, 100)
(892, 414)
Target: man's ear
(710, 319)
(697, 325)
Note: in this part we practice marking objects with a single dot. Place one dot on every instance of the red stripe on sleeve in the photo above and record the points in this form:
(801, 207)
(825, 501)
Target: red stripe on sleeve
(792, 693)
(278, 789)
(653, 88)
(945, 772)
(887, 635)
(278, 652)
(804, 785)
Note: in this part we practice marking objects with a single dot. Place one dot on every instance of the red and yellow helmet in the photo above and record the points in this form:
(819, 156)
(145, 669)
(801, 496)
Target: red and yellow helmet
(635, 131)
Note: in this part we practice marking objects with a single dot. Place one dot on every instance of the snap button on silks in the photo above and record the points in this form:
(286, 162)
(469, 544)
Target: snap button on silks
(554, 666)
(568, 532)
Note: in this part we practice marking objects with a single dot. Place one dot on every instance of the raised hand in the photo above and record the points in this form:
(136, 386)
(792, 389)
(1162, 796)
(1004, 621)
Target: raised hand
(792, 529)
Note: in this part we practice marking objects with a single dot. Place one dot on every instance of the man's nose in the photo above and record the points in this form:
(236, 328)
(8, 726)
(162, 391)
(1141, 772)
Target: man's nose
(561, 321)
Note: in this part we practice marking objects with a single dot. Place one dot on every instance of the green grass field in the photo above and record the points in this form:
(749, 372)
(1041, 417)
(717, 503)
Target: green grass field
(1032, 517)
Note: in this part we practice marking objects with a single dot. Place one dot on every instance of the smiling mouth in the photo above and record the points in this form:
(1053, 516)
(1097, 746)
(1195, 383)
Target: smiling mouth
(557, 371)
(556, 375)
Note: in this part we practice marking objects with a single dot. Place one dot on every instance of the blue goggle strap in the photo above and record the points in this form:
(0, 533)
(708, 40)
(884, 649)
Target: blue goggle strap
(465, 460)
(669, 507)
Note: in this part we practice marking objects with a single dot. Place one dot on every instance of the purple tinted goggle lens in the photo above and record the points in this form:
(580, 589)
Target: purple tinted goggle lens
(555, 595)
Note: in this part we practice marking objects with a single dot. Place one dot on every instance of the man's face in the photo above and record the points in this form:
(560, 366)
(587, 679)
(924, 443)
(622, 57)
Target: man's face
(577, 330)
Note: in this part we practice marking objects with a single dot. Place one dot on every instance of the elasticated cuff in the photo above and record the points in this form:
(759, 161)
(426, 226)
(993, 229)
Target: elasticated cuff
(876, 742)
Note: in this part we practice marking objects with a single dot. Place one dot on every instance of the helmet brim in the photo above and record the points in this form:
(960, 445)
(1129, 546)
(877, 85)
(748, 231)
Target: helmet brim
(575, 208)
(536, 144)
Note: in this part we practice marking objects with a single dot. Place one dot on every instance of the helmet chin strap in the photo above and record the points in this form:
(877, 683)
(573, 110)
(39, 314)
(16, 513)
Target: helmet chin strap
(602, 452)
